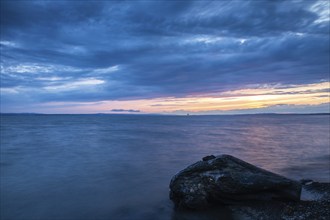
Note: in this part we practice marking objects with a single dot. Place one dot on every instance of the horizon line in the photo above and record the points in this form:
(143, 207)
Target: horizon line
(161, 114)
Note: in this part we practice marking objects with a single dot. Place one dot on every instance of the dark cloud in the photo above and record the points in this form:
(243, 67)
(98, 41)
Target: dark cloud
(121, 50)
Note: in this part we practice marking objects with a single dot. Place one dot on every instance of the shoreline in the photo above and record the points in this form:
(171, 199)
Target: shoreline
(314, 204)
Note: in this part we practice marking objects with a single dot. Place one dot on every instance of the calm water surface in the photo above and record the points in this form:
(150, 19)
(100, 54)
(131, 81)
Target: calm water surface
(119, 166)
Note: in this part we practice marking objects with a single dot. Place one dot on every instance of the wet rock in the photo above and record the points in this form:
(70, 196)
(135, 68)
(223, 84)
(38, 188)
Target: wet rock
(228, 180)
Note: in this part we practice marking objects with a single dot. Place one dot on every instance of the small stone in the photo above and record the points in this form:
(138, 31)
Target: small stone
(210, 157)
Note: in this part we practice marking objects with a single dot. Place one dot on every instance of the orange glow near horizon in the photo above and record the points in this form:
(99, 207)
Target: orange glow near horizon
(251, 98)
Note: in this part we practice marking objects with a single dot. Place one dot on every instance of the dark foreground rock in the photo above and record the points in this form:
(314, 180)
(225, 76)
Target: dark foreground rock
(229, 180)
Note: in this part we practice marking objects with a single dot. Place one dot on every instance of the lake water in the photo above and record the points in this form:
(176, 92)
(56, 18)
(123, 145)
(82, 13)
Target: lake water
(119, 166)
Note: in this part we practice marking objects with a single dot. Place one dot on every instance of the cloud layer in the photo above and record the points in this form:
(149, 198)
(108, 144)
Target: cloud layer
(81, 51)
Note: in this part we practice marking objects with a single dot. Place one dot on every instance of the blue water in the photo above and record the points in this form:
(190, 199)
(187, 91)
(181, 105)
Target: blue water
(119, 166)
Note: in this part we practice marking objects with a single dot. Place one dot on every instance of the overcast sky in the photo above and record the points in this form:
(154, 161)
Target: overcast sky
(133, 56)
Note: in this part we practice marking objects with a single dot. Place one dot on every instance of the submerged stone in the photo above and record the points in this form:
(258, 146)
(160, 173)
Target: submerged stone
(226, 179)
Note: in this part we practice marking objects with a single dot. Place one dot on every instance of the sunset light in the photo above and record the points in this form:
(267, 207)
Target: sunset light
(264, 97)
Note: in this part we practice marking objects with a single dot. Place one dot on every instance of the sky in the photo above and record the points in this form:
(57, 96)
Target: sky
(167, 57)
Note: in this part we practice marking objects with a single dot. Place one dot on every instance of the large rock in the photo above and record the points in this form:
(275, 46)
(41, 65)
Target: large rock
(226, 179)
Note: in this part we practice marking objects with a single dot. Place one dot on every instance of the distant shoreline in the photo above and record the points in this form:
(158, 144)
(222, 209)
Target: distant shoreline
(141, 114)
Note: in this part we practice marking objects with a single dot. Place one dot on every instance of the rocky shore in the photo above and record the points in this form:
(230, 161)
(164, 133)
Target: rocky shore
(248, 191)
(314, 204)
